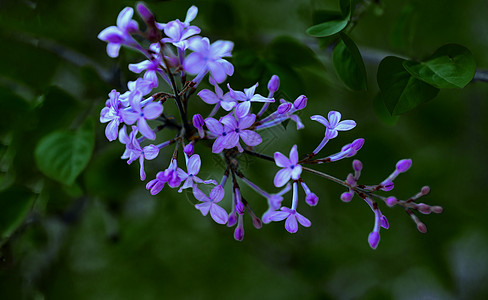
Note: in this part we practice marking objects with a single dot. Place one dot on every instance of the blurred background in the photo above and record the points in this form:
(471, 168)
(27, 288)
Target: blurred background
(106, 237)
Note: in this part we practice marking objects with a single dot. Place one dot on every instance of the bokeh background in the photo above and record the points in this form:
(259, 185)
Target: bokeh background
(106, 237)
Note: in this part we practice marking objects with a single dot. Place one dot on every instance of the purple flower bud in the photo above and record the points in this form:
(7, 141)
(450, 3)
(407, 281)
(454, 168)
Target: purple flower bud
(284, 107)
(198, 121)
(424, 208)
(300, 102)
(188, 149)
(256, 222)
(384, 222)
(350, 180)
(311, 199)
(239, 233)
(425, 190)
(436, 209)
(391, 201)
(374, 239)
(273, 84)
(357, 144)
(144, 12)
(387, 186)
(403, 165)
(347, 196)
(421, 227)
(357, 165)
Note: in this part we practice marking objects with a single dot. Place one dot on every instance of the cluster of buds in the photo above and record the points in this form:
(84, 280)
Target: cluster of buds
(179, 58)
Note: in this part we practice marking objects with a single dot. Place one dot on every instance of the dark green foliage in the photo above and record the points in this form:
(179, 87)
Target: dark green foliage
(349, 64)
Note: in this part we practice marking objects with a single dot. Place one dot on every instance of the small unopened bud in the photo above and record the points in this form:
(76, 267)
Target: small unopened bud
(145, 13)
(347, 196)
(425, 190)
(256, 222)
(232, 219)
(357, 165)
(387, 186)
(424, 208)
(311, 199)
(188, 149)
(300, 102)
(197, 121)
(284, 107)
(391, 201)
(350, 180)
(374, 239)
(357, 144)
(273, 84)
(421, 227)
(436, 209)
(403, 165)
(239, 233)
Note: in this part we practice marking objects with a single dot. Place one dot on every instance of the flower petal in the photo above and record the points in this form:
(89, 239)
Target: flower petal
(247, 121)
(208, 96)
(200, 195)
(334, 118)
(282, 177)
(145, 130)
(152, 110)
(303, 220)
(250, 137)
(217, 194)
(291, 224)
(243, 109)
(203, 207)
(345, 125)
(281, 160)
(294, 155)
(214, 126)
(278, 216)
(193, 164)
(218, 214)
(321, 120)
(295, 173)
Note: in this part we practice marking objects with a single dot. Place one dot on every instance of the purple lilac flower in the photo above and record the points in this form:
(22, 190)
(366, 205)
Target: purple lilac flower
(291, 168)
(170, 176)
(119, 35)
(219, 98)
(347, 150)
(290, 214)
(236, 129)
(217, 130)
(246, 98)
(135, 151)
(401, 167)
(140, 115)
(178, 32)
(334, 124)
(137, 89)
(151, 67)
(285, 111)
(112, 113)
(210, 204)
(208, 58)
(193, 166)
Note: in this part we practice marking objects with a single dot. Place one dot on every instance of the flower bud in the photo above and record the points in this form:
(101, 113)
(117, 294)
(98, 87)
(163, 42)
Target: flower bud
(347, 196)
(384, 222)
(300, 102)
(188, 149)
(421, 227)
(436, 209)
(311, 199)
(374, 239)
(198, 121)
(425, 190)
(423, 208)
(273, 84)
(357, 165)
(387, 186)
(391, 201)
(284, 107)
(403, 165)
(232, 219)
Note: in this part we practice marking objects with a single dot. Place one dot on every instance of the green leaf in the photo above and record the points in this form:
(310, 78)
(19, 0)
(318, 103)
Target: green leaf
(62, 155)
(382, 112)
(451, 66)
(349, 64)
(347, 7)
(15, 204)
(400, 91)
(334, 22)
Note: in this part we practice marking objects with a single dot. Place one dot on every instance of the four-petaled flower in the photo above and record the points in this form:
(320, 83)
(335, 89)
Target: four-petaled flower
(210, 204)
(236, 129)
(291, 168)
(193, 166)
(291, 216)
(334, 123)
(138, 114)
(208, 58)
(246, 98)
(134, 150)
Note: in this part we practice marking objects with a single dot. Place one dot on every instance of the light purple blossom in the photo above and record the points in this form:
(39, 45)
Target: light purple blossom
(193, 167)
(292, 219)
(236, 129)
(151, 67)
(291, 168)
(218, 98)
(210, 204)
(246, 98)
(334, 123)
(119, 35)
(217, 130)
(140, 115)
(178, 32)
(137, 89)
(208, 58)
(135, 151)
(170, 176)
(112, 113)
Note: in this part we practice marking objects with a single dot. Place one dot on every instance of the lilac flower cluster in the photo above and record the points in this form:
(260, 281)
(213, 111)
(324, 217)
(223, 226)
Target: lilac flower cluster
(178, 57)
